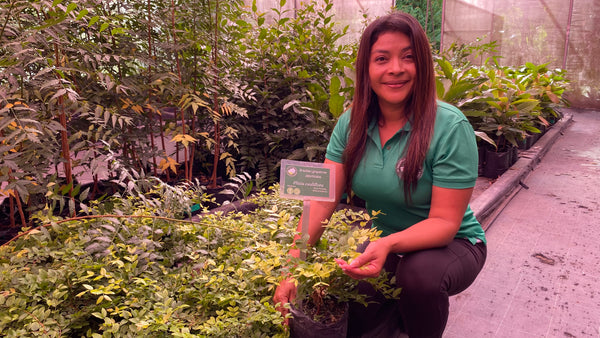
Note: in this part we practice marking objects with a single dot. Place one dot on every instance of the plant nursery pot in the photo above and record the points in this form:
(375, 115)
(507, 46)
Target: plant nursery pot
(496, 163)
(481, 162)
(527, 142)
(303, 325)
(514, 157)
(543, 128)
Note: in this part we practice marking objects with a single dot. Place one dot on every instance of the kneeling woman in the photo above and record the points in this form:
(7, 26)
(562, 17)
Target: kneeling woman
(415, 159)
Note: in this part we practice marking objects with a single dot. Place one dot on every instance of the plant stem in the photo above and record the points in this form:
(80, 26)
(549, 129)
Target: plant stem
(186, 164)
(66, 152)
(217, 134)
(12, 4)
(150, 115)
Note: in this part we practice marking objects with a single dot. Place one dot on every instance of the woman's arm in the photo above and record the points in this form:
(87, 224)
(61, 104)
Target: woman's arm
(319, 212)
(448, 207)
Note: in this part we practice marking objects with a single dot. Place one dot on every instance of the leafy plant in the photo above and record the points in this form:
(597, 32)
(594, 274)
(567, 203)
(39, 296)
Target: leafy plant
(131, 266)
(502, 103)
(129, 272)
(240, 186)
(81, 78)
(429, 14)
(321, 283)
(300, 87)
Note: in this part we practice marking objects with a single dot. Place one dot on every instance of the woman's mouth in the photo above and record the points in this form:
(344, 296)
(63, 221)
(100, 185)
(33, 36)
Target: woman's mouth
(395, 84)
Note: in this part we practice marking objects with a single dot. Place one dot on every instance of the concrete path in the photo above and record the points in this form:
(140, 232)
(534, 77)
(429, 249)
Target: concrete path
(542, 275)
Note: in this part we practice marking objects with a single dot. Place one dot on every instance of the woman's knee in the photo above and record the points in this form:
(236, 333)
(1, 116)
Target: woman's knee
(417, 272)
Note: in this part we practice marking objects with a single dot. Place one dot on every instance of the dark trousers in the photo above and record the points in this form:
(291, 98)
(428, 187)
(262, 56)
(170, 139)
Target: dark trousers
(427, 279)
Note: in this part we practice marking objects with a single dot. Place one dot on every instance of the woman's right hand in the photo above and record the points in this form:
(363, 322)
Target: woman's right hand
(285, 293)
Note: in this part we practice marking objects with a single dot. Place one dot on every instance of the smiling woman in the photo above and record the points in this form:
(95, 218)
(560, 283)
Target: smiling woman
(414, 159)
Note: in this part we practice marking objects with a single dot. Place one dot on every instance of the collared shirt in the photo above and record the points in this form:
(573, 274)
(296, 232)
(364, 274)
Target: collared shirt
(451, 162)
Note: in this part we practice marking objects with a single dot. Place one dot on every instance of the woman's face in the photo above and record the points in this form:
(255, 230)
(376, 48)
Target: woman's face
(392, 70)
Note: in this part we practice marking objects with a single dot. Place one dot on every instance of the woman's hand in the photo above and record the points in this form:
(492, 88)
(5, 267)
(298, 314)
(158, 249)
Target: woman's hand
(285, 293)
(369, 263)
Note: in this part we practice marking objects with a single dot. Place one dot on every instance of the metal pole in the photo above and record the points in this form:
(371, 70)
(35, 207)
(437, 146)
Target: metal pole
(305, 223)
(567, 36)
(442, 28)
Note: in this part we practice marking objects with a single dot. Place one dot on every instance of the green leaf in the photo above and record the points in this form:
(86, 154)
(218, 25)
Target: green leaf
(439, 87)
(334, 85)
(71, 7)
(447, 68)
(66, 188)
(526, 105)
(81, 14)
(495, 105)
(84, 194)
(117, 31)
(484, 136)
(531, 129)
(263, 34)
(458, 90)
(336, 105)
(93, 20)
(474, 113)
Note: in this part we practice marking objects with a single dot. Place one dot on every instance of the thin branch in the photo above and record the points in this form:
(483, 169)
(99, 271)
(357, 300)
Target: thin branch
(12, 4)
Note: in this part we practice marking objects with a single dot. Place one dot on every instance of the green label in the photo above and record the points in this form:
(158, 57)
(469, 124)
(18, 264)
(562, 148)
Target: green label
(306, 180)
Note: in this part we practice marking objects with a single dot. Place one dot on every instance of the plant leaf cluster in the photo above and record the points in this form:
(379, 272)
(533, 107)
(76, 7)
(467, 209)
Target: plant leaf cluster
(504, 104)
(133, 267)
(212, 79)
(429, 14)
(302, 79)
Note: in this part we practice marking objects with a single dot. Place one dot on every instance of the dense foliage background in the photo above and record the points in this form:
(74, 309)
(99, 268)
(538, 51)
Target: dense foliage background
(429, 14)
(203, 89)
(181, 89)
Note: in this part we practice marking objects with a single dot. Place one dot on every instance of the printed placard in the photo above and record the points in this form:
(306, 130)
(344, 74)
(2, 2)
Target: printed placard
(307, 181)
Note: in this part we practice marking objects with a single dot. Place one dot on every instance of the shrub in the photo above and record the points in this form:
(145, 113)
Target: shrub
(298, 71)
(130, 268)
(502, 103)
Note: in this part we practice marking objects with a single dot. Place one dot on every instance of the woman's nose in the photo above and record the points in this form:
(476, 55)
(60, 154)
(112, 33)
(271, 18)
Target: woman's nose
(396, 65)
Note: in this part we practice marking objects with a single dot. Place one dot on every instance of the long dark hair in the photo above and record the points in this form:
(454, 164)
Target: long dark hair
(420, 106)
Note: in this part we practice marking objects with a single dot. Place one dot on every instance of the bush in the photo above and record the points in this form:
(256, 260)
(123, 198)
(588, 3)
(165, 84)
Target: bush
(130, 269)
(298, 71)
(502, 103)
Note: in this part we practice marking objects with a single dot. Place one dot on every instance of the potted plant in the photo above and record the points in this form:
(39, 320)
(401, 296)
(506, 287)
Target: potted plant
(324, 290)
(508, 107)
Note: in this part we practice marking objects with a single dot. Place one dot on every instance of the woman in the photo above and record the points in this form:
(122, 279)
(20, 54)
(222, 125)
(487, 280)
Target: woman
(415, 159)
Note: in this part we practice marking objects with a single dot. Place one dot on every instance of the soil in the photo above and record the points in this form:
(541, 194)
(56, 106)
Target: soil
(328, 313)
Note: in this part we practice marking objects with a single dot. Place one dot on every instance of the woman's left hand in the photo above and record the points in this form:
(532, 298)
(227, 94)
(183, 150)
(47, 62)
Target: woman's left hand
(369, 263)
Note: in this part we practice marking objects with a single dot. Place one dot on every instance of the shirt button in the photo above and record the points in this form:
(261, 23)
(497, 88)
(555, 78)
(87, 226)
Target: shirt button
(388, 147)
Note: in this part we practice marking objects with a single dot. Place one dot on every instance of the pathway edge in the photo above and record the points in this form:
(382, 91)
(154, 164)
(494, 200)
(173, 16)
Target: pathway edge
(490, 203)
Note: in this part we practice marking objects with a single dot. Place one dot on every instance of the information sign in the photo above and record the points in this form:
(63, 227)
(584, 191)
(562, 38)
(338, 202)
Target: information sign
(307, 181)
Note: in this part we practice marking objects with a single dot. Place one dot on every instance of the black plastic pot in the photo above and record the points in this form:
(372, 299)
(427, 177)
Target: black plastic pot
(303, 326)
(481, 162)
(514, 156)
(497, 162)
(527, 142)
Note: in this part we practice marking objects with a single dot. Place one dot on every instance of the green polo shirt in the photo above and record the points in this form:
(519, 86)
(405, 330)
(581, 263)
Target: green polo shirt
(451, 162)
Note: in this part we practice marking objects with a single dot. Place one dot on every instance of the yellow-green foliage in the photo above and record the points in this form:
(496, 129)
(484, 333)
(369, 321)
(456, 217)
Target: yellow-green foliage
(136, 274)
